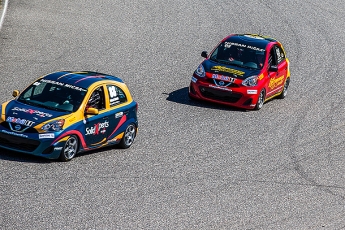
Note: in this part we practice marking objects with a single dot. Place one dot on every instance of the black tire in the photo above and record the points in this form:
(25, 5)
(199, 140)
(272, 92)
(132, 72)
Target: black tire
(261, 100)
(284, 92)
(128, 136)
(70, 149)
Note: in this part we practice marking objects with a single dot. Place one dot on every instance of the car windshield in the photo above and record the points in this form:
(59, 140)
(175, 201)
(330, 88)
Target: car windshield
(53, 95)
(239, 54)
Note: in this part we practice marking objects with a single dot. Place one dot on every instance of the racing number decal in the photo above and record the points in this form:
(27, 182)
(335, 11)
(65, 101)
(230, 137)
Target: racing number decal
(112, 92)
(114, 99)
(116, 95)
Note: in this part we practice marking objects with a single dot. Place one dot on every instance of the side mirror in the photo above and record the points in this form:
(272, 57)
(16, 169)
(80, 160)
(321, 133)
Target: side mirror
(92, 111)
(204, 54)
(15, 93)
(273, 68)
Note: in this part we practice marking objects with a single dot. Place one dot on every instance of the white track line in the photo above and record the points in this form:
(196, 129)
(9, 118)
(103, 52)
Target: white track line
(3, 13)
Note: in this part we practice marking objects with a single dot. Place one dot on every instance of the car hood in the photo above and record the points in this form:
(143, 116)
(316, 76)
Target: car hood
(228, 70)
(29, 115)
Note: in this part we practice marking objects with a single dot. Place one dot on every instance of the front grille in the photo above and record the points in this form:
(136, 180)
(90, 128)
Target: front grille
(18, 143)
(220, 95)
(216, 82)
(27, 130)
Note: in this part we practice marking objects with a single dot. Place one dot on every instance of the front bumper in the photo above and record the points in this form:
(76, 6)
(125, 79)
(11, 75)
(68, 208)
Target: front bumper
(30, 143)
(239, 96)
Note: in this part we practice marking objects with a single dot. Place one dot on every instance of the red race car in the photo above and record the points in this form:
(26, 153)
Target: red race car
(244, 70)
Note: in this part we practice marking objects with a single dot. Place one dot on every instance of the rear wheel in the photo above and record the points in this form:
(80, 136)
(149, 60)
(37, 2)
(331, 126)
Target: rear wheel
(261, 100)
(128, 137)
(70, 149)
(284, 92)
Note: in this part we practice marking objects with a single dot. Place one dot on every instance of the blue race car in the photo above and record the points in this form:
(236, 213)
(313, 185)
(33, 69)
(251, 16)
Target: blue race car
(65, 113)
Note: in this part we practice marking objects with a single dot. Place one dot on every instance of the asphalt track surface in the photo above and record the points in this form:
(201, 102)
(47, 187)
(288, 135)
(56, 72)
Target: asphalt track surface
(193, 165)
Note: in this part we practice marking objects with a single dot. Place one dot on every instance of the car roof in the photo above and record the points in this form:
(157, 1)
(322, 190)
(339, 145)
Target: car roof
(82, 79)
(256, 40)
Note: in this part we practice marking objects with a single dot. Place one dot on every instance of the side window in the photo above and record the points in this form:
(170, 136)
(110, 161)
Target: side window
(272, 58)
(116, 95)
(280, 54)
(96, 99)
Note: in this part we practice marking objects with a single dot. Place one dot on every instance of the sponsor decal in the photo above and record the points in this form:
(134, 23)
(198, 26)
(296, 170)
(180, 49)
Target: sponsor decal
(194, 79)
(32, 111)
(15, 134)
(222, 78)
(97, 128)
(219, 87)
(227, 70)
(63, 84)
(46, 135)
(261, 76)
(57, 148)
(119, 114)
(229, 44)
(252, 91)
(274, 82)
(114, 101)
(20, 121)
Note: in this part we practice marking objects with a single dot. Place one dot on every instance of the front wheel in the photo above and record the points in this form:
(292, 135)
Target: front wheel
(128, 137)
(261, 100)
(70, 149)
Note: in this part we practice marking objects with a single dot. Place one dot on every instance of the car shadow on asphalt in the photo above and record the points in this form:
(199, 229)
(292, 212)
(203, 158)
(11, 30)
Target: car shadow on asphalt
(99, 150)
(181, 96)
(8, 155)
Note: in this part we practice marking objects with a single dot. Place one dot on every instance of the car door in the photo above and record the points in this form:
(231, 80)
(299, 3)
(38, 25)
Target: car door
(97, 125)
(277, 71)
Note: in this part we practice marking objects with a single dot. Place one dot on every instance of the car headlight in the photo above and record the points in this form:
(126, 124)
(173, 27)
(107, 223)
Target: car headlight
(250, 81)
(54, 125)
(200, 71)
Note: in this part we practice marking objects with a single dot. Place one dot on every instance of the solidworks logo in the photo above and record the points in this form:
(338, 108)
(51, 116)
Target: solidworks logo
(97, 128)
